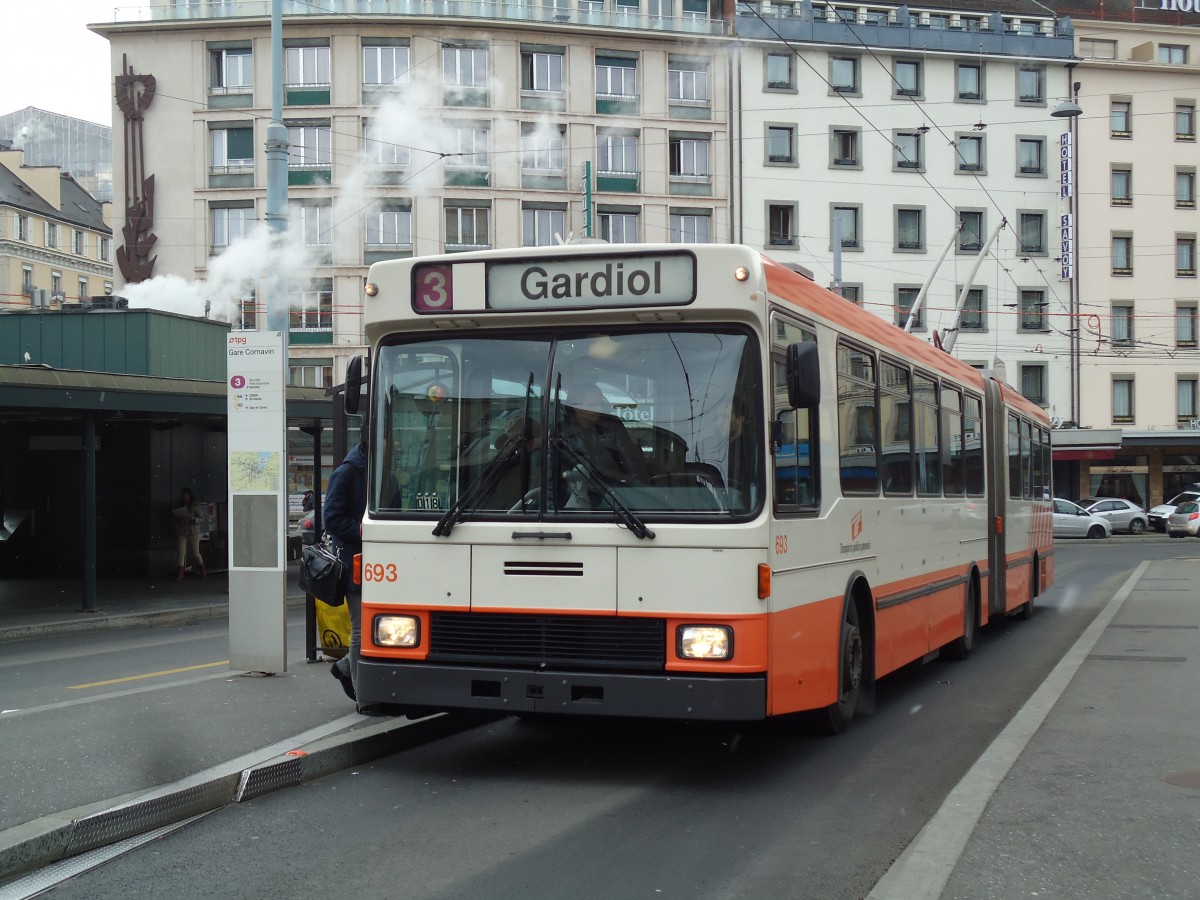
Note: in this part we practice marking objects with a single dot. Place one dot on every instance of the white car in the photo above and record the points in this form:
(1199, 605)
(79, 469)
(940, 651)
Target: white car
(1072, 520)
(1158, 515)
(1185, 521)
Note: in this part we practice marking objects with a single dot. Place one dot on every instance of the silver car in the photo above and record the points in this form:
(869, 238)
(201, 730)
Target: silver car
(1122, 515)
(1072, 520)
(1185, 521)
(1158, 516)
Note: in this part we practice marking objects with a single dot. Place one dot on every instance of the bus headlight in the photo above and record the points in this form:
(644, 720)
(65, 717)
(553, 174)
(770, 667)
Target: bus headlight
(397, 631)
(704, 642)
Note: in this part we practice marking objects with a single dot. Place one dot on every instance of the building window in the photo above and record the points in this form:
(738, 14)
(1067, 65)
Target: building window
(1185, 257)
(781, 144)
(389, 228)
(1173, 54)
(844, 147)
(56, 289)
(1185, 400)
(1122, 324)
(543, 227)
(26, 279)
(1032, 311)
(906, 74)
(309, 147)
(845, 227)
(1122, 254)
(969, 81)
(1031, 84)
(310, 306)
(616, 78)
(232, 149)
(83, 289)
(467, 228)
(1185, 122)
(232, 71)
(543, 148)
(688, 157)
(1031, 156)
(1121, 180)
(1120, 116)
(852, 292)
(780, 72)
(1093, 48)
(970, 236)
(687, 82)
(541, 72)
(385, 66)
(310, 376)
(467, 145)
(464, 68)
(1185, 188)
(306, 67)
(843, 74)
(973, 316)
(104, 253)
(618, 227)
(383, 147)
(229, 224)
(908, 150)
(80, 245)
(1032, 232)
(910, 228)
(690, 228)
(1033, 382)
(314, 221)
(781, 224)
(616, 154)
(969, 153)
(1185, 325)
(1122, 400)
(53, 236)
(905, 298)
(246, 317)
(21, 231)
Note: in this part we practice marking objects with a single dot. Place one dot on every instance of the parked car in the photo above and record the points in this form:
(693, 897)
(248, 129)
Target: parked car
(1072, 520)
(1185, 521)
(1122, 515)
(1157, 517)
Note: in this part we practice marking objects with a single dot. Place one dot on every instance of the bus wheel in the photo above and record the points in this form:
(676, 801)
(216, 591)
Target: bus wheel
(837, 716)
(960, 648)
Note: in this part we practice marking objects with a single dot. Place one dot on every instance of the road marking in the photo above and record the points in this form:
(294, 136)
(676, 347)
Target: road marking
(128, 678)
(925, 866)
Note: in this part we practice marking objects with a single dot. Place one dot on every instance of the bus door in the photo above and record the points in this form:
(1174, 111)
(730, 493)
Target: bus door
(996, 455)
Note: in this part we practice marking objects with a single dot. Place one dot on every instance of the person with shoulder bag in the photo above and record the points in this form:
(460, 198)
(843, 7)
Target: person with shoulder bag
(345, 503)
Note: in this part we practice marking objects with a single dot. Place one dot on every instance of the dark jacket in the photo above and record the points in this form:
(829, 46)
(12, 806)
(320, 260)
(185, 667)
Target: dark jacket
(345, 503)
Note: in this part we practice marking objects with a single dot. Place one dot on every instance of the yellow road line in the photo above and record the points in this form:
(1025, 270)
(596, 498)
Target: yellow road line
(75, 687)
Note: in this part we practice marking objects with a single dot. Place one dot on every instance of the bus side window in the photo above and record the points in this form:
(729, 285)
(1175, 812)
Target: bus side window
(793, 430)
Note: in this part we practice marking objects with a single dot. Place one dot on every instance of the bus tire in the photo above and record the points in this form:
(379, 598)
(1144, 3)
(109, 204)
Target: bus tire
(960, 648)
(836, 717)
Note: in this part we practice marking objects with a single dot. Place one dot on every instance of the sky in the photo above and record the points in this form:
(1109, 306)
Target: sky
(53, 62)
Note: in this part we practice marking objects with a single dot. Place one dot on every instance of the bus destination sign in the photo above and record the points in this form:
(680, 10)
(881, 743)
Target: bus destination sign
(590, 282)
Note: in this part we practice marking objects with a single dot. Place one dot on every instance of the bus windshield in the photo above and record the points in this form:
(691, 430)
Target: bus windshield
(566, 424)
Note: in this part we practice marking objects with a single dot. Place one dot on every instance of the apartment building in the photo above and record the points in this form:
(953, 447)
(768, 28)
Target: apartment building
(1137, 85)
(56, 246)
(421, 128)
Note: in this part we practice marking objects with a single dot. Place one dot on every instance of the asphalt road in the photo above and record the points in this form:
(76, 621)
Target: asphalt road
(620, 809)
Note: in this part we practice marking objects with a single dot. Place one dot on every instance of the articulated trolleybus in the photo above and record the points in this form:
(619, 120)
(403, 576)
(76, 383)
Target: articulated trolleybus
(676, 481)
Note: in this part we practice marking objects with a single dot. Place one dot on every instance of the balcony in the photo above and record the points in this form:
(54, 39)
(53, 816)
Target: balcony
(574, 15)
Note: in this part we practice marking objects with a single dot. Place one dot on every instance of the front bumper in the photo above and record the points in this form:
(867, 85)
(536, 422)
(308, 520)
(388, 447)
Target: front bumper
(512, 691)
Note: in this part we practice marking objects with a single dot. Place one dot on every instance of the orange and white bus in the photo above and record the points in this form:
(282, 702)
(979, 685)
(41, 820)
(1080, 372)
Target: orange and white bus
(676, 481)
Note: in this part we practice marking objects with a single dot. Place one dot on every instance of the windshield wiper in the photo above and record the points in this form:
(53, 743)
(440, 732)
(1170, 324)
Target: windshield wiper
(486, 480)
(628, 517)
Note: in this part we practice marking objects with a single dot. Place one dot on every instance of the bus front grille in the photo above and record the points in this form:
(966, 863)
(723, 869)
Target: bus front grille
(593, 642)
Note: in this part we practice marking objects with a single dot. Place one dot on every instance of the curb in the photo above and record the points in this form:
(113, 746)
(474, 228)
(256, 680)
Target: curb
(54, 838)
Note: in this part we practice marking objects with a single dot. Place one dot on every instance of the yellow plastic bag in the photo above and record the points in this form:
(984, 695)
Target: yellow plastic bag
(333, 628)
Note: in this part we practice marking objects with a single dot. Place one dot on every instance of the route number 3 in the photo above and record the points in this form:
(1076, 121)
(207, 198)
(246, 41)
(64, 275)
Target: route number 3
(381, 572)
(434, 289)
(780, 544)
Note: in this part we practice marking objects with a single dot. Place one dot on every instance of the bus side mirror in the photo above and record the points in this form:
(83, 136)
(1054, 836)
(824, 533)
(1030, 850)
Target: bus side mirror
(803, 376)
(353, 384)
